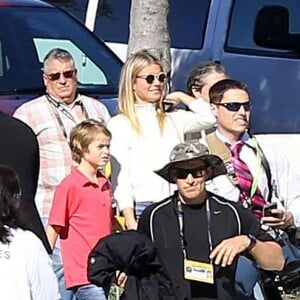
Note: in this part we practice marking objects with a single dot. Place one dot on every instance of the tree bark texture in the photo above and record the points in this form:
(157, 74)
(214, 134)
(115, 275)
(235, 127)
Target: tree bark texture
(149, 29)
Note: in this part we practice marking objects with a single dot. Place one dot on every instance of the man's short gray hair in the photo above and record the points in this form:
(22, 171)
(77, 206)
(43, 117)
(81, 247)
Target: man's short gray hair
(58, 54)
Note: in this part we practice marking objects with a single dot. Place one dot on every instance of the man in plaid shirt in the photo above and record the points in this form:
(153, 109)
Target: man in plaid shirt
(52, 116)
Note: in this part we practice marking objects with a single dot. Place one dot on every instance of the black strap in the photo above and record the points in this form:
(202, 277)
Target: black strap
(57, 106)
(267, 169)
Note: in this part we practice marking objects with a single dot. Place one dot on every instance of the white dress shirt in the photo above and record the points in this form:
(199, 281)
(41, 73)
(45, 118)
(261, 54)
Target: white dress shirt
(285, 180)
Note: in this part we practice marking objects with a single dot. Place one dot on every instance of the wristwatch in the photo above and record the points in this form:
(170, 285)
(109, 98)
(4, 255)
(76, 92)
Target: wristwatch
(253, 242)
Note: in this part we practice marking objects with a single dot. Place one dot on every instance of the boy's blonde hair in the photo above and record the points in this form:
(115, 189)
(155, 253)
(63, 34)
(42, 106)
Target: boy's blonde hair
(83, 134)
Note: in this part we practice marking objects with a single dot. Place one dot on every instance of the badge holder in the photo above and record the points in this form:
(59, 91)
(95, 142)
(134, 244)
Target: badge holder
(198, 271)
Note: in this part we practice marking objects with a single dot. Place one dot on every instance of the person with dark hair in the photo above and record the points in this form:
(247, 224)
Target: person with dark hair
(202, 77)
(200, 235)
(199, 81)
(276, 180)
(25, 267)
(51, 117)
(258, 173)
(81, 213)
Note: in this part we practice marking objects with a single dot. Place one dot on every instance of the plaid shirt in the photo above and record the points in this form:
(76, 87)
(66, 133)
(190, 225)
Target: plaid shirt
(55, 153)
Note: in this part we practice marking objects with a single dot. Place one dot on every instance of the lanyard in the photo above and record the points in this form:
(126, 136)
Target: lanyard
(179, 213)
(58, 106)
(258, 169)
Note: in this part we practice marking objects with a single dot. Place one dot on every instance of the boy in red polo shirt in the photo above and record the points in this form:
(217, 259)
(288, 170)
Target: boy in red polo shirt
(81, 212)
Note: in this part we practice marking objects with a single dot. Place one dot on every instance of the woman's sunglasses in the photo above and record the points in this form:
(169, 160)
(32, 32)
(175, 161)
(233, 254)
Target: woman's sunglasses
(235, 106)
(196, 172)
(161, 77)
(55, 76)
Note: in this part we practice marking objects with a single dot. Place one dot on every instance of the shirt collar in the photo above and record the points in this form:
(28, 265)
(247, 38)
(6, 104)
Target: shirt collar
(145, 106)
(245, 138)
(77, 100)
(82, 179)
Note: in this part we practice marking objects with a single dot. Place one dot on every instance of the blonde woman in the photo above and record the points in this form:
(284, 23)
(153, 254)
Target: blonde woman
(143, 134)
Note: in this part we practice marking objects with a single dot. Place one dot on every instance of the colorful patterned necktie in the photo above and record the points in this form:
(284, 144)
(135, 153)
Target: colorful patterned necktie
(245, 180)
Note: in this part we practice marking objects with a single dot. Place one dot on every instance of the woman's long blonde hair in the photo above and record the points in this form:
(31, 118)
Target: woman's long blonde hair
(130, 70)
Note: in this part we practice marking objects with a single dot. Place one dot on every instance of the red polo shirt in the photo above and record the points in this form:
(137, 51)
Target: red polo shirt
(84, 211)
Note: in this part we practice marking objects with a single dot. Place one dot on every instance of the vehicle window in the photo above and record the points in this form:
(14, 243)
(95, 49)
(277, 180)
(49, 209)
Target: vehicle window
(112, 19)
(240, 35)
(112, 24)
(35, 32)
(187, 30)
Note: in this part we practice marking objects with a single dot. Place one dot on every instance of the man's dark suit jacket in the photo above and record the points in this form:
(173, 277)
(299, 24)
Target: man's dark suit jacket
(19, 150)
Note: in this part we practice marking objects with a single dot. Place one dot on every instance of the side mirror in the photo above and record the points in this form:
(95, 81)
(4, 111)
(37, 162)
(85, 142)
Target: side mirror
(272, 29)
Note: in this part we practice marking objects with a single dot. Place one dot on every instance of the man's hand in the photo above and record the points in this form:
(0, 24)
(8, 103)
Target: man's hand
(280, 219)
(227, 250)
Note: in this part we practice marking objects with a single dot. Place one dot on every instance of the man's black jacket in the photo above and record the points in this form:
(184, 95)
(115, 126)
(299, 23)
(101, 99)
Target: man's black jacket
(133, 253)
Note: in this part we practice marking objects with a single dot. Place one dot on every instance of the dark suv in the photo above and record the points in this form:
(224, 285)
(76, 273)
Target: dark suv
(29, 29)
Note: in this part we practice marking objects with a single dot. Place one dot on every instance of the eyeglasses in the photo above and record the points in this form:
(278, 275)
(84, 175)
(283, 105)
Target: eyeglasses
(55, 76)
(235, 106)
(161, 77)
(196, 173)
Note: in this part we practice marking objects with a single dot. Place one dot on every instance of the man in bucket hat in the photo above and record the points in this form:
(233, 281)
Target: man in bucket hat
(200, 235)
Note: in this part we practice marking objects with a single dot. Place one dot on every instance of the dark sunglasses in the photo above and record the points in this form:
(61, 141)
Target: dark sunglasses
(55, 76)
(161, 77)
(235, 106)
(196, 173)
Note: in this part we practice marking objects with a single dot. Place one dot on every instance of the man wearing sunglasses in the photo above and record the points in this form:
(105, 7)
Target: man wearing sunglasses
(258, 173)
(199, 235)
(52, 116)
(231, 105)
